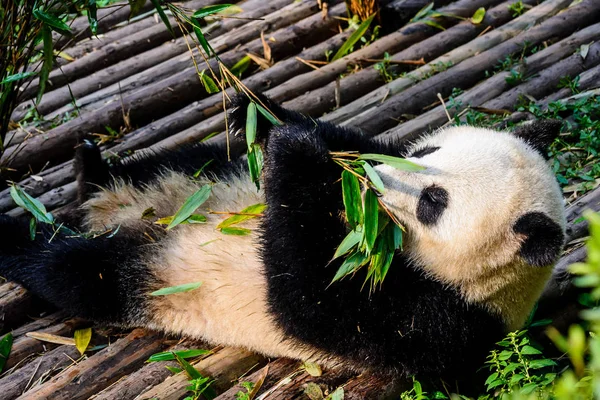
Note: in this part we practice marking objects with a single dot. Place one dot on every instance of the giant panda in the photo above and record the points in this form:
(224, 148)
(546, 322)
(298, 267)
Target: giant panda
(484, 224)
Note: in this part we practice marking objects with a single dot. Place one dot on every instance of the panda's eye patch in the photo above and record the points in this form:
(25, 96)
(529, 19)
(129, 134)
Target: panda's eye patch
(424, 151)
(432, 203)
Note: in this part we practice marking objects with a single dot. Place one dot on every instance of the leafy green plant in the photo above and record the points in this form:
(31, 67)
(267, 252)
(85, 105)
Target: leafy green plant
(375, 233)
(248, 387)
(417, 393)
(517, 8)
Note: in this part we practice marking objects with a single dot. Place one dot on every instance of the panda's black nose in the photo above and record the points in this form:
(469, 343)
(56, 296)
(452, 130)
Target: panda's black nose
(432, 203)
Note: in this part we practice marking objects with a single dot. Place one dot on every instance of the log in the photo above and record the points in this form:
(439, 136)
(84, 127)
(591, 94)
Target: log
(39, 323)
(347, 89)
(588, 80)
(198, 111)
(494, 86)
(161, 98)
(225, 366)
(15, 304)
(24, 346)
(43, 182)
(100, 370)
(278, 370)
(391, 43)
(468, 52)
(54, 198)
(590, 201)
(148, 376)
(49, 363)
(545, 82)
(126, 49)
(162, 62)
(470, 71)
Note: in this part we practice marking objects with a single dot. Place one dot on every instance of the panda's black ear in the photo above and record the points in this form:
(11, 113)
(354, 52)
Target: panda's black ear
(539, 134)
(543, 241)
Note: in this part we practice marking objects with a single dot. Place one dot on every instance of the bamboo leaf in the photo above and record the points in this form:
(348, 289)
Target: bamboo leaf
(255, 163)
(162, 15)
(30, 204)
(135, 7)
(371, 215)
(355, 37)
(351, 240)
(5, 346)
(251, 124)
(82, 339)
(479, 15)
(190, 205)
(396, 162)
(195, 219)
(206, 164)
(373, 177)
(191, 372)
(210, 10)
(92, 14)
(434, 24)
(352, 199)
(239, 218)
(47, 64)
(209, 84)
(350, 265)
(186, 287)
(51, 21)
(423, 12)
(170, 355)
(50, 338)
(17, 77)
(241, 66)
(236, 231)
(202, 39)
(268, 115)
(32, 228)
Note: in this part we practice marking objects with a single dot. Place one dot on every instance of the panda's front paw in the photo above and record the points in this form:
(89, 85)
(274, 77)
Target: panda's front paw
(296, 141)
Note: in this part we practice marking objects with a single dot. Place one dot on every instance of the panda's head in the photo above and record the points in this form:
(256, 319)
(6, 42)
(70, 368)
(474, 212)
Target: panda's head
(486, 215)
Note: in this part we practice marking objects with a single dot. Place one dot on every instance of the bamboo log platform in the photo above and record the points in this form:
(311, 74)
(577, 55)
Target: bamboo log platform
(137, 79)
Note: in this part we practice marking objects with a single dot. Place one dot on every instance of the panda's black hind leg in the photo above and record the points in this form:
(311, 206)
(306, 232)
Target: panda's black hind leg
(90, 170)
(104, 279)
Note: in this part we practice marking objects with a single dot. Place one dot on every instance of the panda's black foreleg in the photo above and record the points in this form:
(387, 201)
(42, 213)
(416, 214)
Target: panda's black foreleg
(102, 278)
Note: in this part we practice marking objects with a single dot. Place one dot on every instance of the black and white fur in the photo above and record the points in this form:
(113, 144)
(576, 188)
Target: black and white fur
(484, 225)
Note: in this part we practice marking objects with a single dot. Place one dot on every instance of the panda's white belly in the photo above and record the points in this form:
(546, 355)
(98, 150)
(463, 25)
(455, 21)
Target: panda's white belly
(230, 307)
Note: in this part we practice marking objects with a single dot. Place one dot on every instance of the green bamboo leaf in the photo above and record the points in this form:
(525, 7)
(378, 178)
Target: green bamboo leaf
(202, 39)
(209, 84)
(186, 287)
(373, 177)
(371, 215)
(195, 219)
(190, 205)
(206, 164)
(396, 162)
(355, 37)
(32, 228)
(351, 240)
(251, 124)
(25, 201)
(255, 163)
(350, 265)
(210, 10)
(92, 14)
(268, 115)
(236, 231)
(189, 369)
(19, 76)
(352, 199)
(434, 24)
(170, 355)
(82, 339)
(162, 15)
(236, 219)
(47, 64)
(51, 21)
(479, 15)
(241, 66)
(423, 12)
(5, 346)
(135, 7)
